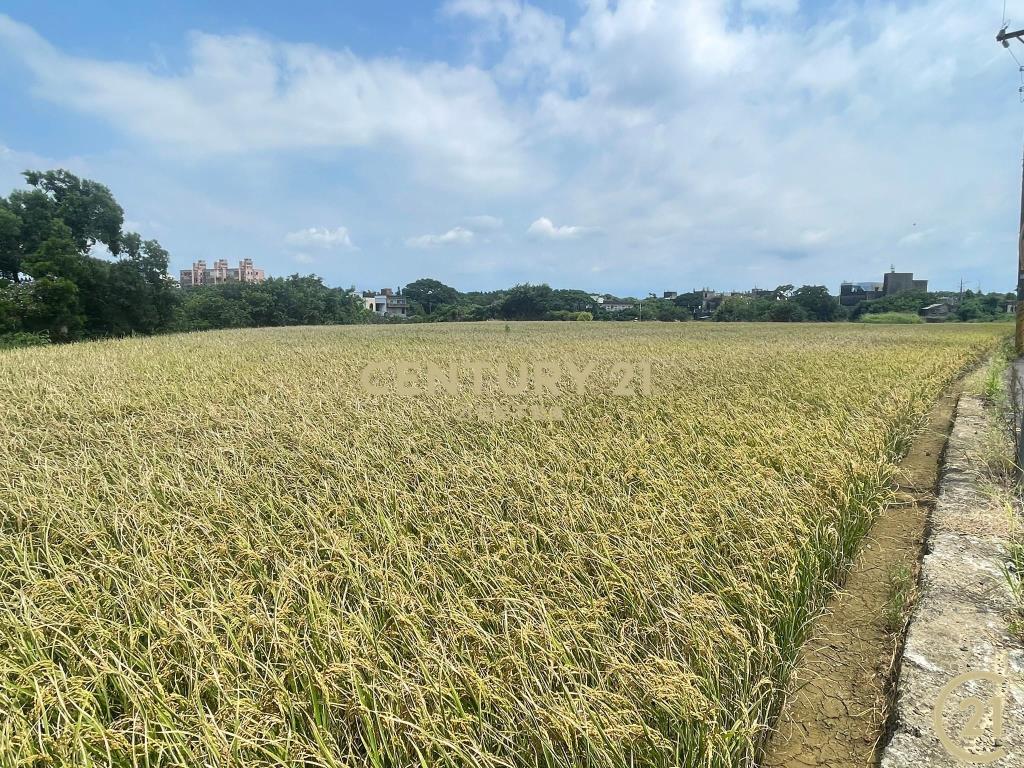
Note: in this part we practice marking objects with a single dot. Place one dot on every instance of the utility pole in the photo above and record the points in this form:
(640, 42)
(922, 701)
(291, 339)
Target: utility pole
(1019, 331)
(1004, 38)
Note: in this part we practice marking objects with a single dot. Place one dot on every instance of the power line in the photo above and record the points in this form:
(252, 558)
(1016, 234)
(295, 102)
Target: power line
(1020, 70)
(1004, 38)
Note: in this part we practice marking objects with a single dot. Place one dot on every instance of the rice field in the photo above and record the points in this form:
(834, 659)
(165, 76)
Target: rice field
(478, 545)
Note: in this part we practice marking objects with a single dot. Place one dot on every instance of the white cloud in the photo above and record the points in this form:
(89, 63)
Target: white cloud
(917, 237)
(321, 237)
(454, 236)
(537, 38)
(484, 223)
(246, 93)
(13, 162)
(772, 6)
(701, 135)
(815, 236)
(546, 229)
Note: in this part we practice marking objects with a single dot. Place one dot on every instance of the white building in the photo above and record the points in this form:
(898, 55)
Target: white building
(385, 303)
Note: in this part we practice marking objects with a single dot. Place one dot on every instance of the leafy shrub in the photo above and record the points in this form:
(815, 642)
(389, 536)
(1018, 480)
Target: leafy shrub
(23, 339)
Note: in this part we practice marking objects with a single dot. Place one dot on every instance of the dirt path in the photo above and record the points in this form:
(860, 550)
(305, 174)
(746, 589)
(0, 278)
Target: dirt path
(837, 713)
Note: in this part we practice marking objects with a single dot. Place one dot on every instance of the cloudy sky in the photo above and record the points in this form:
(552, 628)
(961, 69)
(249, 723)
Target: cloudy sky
(629, 146)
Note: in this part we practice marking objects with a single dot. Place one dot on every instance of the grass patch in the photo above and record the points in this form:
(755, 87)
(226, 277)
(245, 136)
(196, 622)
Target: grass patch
(1014, 572)
(902, 589)
(21, 340)
(997, 456)
(892, 318)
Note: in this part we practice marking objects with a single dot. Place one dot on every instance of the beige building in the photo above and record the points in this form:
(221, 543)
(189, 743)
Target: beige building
(385, 303)
(220, 273)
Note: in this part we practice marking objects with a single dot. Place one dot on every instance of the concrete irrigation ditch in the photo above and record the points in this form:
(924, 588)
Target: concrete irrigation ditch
(953, 694)
(962, 670)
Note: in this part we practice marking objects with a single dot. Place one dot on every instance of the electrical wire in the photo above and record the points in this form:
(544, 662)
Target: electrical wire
(1020, 70)
(1014, 56)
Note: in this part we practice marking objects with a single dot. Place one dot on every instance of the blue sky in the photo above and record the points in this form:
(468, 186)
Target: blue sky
(630, 146)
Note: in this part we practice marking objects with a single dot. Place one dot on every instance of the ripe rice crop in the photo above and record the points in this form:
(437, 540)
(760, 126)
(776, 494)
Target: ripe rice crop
(226, 549)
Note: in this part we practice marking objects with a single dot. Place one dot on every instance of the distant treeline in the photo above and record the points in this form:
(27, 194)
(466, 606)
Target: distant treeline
(432, 301)
(970, 307)
(53, 288)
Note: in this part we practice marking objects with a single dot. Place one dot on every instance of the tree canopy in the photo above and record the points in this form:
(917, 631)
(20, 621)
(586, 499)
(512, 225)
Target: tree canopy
(53, 287)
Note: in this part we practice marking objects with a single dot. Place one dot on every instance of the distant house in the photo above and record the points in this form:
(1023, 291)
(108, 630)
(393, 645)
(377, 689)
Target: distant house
(1010, 306)
(893, 283)
(385, 302)
(936, 313)
(712, 300)
(669, 295)
(852, 294)
(617, 305)
(902, 282)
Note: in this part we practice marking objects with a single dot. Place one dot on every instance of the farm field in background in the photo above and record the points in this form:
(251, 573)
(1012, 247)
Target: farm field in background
(229, 549)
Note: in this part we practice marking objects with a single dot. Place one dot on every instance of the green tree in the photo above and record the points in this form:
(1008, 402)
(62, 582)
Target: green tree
(294, 300)
(526, 302)
(49, 232)
(431, 294)
(743, 309)
(86, 207)
(787, 312)
(54, 308)
(570, 300)
(668, 311)
(817, 303)
(10, 243)
(205, 310)
(54, 304)
(911, 301)
(142, 295)
(12, 306)
(980, 308)
(35, 214)
(56, 256)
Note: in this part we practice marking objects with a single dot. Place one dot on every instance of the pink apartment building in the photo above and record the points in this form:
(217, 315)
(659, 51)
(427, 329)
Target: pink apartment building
(220, 272)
